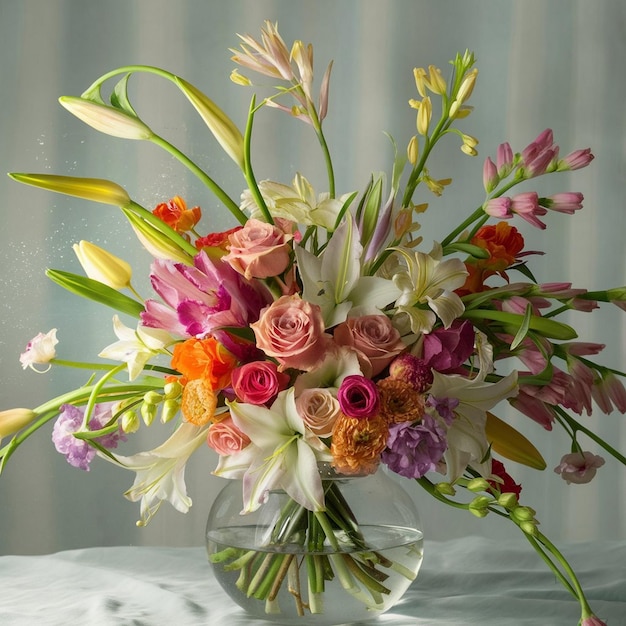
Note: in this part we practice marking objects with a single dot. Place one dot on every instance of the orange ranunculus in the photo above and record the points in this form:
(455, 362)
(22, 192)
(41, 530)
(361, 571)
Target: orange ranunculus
(175, 213)
(204, 358)
(503, 242)
(358, 443)
(216, 244)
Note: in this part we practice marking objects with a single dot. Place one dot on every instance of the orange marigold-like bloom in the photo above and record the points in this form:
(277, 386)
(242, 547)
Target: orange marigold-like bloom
(399, 401)
(357, 444)
(198, 402)
(175, 214)
(204, 358)
(503, 242)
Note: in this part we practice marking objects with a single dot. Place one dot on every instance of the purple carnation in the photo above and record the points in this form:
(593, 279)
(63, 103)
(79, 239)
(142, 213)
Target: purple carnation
(358, 397)
(413, 450)
(77, 451)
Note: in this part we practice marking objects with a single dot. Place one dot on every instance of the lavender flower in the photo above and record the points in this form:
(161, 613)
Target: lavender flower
(413, 450)
(77, 451)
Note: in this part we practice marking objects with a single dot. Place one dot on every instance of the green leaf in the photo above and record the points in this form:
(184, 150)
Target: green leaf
(344, 208)
(95, 290)
(524, 328)
(119, 97)
(543, 326)
(371, 209)
(476, 251)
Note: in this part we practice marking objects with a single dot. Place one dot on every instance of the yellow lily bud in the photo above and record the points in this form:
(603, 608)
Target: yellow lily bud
(467, 86)
(95, 189)
(13, 420)
(420, 80)
(436, 83)
(511, 444)
(102, 265)
(240, 79)
(222, 127)
(424, 115)
(413, 150)
(106, 119)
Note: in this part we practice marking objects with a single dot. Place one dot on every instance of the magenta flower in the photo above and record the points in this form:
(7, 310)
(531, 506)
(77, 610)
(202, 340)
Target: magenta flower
(77, 451)
(539, 154)
(446, 349)
(579, 468)
(258, 382)
(202, 298)
(413, 450)
(358, 397)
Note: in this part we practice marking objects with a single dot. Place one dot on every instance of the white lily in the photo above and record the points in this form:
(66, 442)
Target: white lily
(161, 472)
(282, 454)
(297, 203)
(429, 280)
(135, 347)
(333, 280)
(467, 441)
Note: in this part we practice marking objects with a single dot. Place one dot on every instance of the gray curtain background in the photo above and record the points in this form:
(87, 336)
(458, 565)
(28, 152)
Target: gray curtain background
(557, 64)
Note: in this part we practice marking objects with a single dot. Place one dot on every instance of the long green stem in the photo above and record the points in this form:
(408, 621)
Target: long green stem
(203, 176)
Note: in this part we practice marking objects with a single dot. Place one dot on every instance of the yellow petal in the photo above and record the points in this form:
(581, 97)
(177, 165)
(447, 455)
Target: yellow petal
(511, 444)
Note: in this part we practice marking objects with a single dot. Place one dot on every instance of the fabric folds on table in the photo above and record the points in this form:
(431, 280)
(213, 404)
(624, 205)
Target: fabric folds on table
(462, 582)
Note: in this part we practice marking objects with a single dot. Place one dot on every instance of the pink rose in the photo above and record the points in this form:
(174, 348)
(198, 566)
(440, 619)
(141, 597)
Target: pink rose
(446, 349)
(259, 250)
(225, 438)
(579, 468)
(258, 382)
(292, 331)
(374, 337)
(319, 410)
(358, 397)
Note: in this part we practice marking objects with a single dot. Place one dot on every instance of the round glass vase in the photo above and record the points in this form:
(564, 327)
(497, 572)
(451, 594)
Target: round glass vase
(350, 562)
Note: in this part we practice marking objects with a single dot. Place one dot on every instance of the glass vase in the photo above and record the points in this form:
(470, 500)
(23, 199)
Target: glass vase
(351, 562)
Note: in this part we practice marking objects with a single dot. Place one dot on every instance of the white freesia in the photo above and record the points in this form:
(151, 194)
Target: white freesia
(333, 279)
(429, 280)
(135, 347)
(467, 442)
(283, 454)
(297, 203)
(40, 350)
(161, 472)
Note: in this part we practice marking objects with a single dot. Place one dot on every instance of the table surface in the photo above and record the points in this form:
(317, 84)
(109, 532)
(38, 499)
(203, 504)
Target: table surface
(462, 582)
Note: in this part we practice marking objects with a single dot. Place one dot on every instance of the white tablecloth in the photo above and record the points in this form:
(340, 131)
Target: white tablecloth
(462, 582)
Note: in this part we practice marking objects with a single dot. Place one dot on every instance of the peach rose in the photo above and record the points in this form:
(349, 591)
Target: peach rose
(259, 250)
(292, 331)
(319, 409)
(225, 438)
(374, 337)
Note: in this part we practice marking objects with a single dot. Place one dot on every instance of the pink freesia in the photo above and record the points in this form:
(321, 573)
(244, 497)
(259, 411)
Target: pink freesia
(526, 205)
(608, 393)
(199, 299)
(374, 337)
(576, 160)
(566, 202)
(498, 207)
(539, 154)
(592, 620)
(534, 408)
(259, 250)
(490, 175)
(226, 438)
(291, 330)
(579, 468)
(504, 159)
(258, 382)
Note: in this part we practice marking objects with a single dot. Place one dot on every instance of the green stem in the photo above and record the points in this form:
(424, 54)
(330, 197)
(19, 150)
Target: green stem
(557, 572)
(203, 176)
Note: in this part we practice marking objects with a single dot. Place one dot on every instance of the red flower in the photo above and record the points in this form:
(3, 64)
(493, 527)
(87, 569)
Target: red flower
(175, 214)
(508, 485)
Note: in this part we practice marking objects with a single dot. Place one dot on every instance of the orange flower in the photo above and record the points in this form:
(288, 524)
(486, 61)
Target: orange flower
(175, 213)
(504, 243)
(358, 443)
(204, 358)
(198, 402)
(399, 401)
(217, 242)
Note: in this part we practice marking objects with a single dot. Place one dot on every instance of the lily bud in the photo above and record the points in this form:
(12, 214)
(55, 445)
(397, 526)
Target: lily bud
(95, 189)
(103, 266)
(412, 150)
(169, 411)
(13, 420)
(106, 119)
(424, 115)
(222, 127)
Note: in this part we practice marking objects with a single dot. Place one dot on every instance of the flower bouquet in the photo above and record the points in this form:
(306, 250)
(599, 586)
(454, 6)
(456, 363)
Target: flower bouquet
(318, 340)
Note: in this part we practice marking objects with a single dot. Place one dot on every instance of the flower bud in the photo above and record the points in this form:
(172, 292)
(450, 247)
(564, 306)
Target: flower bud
(446, 489)
(424, 115)
(222, 127)
(169, 411)
(523, 514)
(507, 500)
(530, 527)
(95, 189)
(106, 119)
(479, 506)
(103, 266)
(13, 420)
(152, 397)
(477, 484)
(148, 413)
(130, 422)
(412, 150)
(240, 79)
(172, 390)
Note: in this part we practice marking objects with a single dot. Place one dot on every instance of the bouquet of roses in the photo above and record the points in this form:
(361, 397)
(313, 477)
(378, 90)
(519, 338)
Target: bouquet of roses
(317, 331)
